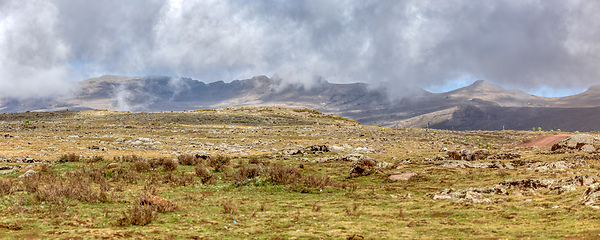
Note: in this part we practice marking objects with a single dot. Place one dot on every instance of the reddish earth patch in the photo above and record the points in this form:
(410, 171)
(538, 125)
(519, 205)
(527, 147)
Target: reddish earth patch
(545, 141)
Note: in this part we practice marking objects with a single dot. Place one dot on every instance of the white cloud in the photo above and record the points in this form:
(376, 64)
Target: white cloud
(524, 44)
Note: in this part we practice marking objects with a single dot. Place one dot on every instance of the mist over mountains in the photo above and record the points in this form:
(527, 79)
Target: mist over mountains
(479, 106)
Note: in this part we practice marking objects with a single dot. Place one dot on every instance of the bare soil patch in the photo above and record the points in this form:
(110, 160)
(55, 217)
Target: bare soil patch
(545, 141)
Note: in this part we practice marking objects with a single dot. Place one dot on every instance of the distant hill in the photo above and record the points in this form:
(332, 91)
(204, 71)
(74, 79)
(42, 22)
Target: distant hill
(479, 106)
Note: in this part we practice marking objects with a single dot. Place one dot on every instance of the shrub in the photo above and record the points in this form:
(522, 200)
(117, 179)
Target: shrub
(156, 162)
(137, 215)
(257, 161)
(158, 204)
(5, 187)
(130, 158)
(219, 162)
(141, 166)
(206, 177)
(71, 157)
(187, 159)
(179, 180)
(96, 159)
(280, 175)
(169, 165)
(316, 181)
(246, 173)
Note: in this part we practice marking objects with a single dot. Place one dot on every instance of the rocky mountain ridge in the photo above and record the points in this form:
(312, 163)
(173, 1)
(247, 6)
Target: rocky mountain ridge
(481, 105)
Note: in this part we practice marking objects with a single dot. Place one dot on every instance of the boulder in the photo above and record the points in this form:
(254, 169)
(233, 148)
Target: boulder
(475, 197)
(534, 184)
(467, 155)
(29, 173)
(477, 155)
(591, 195)
(576, 142)
(454, 155)
(317, 148)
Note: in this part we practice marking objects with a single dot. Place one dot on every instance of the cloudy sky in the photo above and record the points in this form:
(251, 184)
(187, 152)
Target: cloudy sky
(547, 47)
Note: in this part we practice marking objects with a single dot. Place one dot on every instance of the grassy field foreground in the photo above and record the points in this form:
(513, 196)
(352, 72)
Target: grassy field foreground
(279, 173)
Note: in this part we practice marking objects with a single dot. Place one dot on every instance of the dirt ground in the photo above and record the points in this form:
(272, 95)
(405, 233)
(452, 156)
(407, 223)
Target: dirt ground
(545, 141)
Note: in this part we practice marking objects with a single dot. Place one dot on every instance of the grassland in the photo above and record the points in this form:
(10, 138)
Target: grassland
(239, 174)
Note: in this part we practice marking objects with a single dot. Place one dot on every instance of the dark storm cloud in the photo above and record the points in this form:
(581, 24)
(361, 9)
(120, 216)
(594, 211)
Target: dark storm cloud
(523, 44)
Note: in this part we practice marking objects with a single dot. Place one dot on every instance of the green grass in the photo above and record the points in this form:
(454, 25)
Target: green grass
(369, 206)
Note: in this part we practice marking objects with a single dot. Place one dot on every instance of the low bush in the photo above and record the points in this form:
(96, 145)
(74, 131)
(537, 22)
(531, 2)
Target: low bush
(95, 159)
(169, 165)
(156, 162)
(206, 177)
(141, 166)
(245, 174)
(5, 187)
(219, 162)
(187, 159)
(139, 215)
(71, 157)
(281, 175)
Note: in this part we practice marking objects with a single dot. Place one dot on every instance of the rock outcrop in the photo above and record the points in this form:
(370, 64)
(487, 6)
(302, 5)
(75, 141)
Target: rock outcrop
(579, 142)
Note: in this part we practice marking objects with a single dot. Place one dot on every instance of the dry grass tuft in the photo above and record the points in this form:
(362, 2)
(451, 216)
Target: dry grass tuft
(229, 207)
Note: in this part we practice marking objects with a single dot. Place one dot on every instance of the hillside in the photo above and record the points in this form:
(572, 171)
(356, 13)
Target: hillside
(273, 173)
(481, 105)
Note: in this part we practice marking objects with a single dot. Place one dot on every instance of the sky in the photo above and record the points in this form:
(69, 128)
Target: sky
(545, 47)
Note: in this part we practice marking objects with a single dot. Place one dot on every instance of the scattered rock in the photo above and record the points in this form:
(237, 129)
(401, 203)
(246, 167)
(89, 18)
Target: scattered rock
(441, 196)
(576, 142)
(317, 148)
(384, 165)
(558, 165)
(355, 237)
(591, 195)
(466, 164)
(566, 188)
(467, 155)
(353, 157)
(535, 184)
(29, 173)
(472, 195)
(588, 149)
(142, 141)
(505, 155)
(402, 177)
(475, 197)
(112, 165)
(571, 183)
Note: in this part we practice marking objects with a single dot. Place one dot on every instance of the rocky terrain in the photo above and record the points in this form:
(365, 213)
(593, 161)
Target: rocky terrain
(480, 106)
(275, 172)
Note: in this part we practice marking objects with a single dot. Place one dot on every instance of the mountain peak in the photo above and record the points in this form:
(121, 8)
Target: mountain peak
(484, 84)
(594, 88)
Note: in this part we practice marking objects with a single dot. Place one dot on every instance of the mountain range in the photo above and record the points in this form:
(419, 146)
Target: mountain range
(479, 106)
